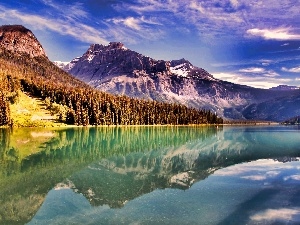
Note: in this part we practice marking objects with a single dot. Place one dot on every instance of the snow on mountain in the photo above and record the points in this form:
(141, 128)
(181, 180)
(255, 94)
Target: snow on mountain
(61, 64)
(66, 65)
(71, 64)
(90, 58)
(181, 67)
(180, 70)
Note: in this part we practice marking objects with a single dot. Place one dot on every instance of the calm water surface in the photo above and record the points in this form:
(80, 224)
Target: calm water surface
(150, 175)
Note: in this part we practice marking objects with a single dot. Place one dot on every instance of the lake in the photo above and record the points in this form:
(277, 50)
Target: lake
(150, 175)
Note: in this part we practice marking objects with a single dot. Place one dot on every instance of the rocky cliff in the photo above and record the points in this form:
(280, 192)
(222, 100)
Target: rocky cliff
(19, 39)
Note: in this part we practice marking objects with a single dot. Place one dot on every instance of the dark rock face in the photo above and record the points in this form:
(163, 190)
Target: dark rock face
(118, 70)
(19, 39)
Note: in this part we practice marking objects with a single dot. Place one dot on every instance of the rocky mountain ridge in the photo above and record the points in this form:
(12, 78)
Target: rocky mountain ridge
(115, 69)
(18, 39)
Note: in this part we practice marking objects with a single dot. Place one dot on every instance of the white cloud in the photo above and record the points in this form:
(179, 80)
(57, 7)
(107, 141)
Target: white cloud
(271, 73)
(272, 173)
(292, 177)
(234, 3)
(260, 177)
(276, 34)
(292, 70)
(138, 23)
(226, 76)
(197, 6)
(255, 177)
(252, 70)
(261, 71)
(265, 62)
(284, 214)
(285, 44)
(265, 80)
(259, 169)
(130, 22)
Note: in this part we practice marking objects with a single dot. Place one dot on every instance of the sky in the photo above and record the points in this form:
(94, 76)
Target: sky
(251, 42)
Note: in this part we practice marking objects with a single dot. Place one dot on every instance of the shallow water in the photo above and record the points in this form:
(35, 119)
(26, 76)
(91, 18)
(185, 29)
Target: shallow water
(150, 175)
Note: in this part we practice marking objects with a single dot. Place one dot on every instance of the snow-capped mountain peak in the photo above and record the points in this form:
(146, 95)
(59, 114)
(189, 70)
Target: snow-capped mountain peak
(181, 67)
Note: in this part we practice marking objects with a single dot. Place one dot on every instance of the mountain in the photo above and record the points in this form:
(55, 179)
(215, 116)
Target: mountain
(115, 69)
(277, 109)
(25, 70)
(284, 88)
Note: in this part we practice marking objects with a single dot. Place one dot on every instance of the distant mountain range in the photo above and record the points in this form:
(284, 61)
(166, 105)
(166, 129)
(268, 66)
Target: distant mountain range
(284, 88)
(118, 70)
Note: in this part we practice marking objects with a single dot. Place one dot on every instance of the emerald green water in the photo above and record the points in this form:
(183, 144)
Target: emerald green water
(150, 175)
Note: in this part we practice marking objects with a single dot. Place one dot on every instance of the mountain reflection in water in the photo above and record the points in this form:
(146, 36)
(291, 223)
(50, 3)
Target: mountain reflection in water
(112, 166)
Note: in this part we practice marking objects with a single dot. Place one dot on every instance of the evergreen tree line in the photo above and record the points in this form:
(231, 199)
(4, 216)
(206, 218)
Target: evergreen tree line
(85, 105)
(4, 110)
(4, 103)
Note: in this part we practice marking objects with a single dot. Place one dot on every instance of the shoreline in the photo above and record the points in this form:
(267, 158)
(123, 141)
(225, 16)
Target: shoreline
(88, 126)
(62, 126)
(252, 124)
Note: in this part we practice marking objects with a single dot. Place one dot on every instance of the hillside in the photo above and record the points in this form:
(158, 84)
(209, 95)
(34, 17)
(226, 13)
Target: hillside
(78, 103)
(30, 111)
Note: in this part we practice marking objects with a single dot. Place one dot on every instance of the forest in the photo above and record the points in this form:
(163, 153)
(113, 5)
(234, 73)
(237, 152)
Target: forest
(80, 104)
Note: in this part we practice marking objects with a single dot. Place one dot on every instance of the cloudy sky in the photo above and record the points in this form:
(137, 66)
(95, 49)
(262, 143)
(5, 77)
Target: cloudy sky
(252, 42)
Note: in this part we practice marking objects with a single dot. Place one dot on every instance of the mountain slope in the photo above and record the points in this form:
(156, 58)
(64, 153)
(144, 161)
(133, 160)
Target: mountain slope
(118, 70)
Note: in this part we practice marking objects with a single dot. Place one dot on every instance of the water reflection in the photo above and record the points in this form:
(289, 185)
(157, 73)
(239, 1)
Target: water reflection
(33, 161)
(113, 166)
(278, 199)
(119, 179)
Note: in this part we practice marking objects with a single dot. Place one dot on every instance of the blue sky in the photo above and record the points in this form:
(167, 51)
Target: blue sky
(252, 42)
